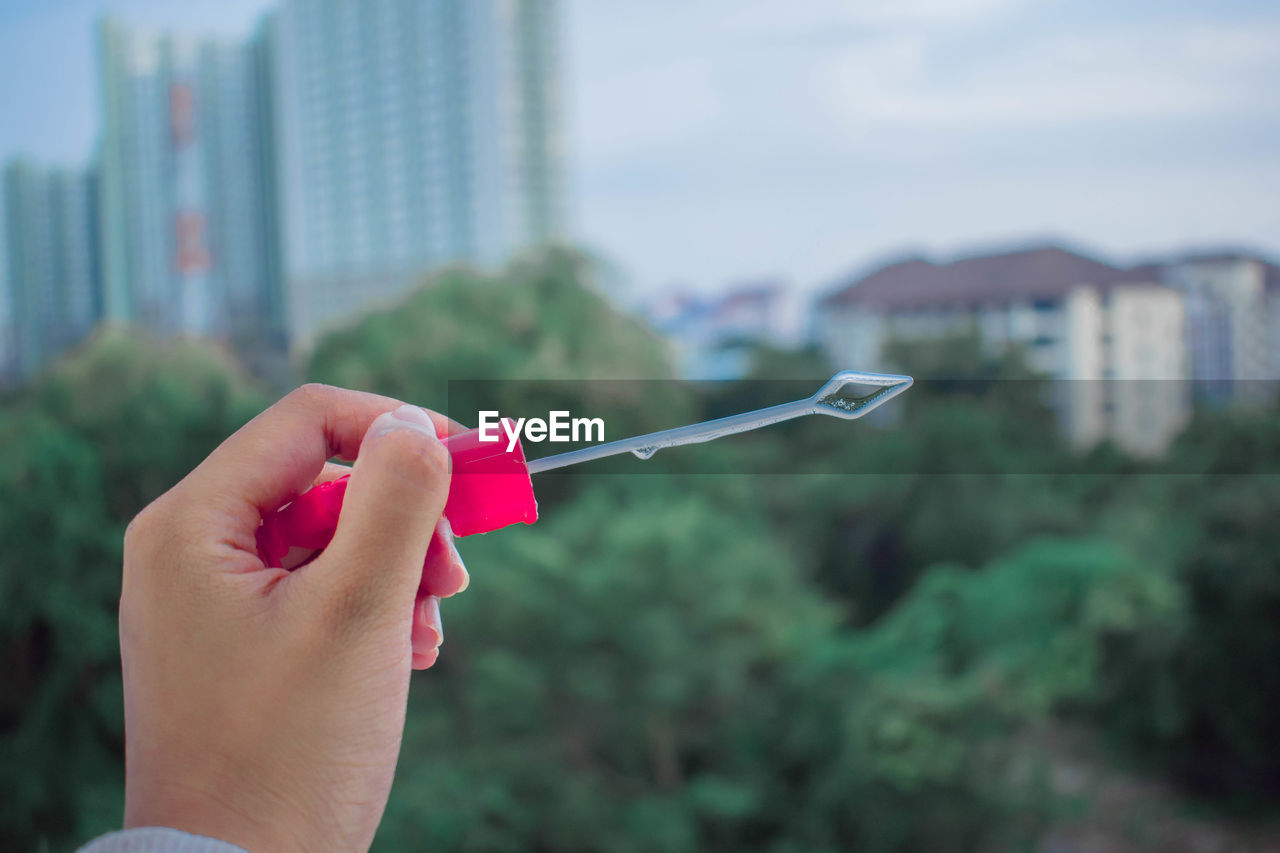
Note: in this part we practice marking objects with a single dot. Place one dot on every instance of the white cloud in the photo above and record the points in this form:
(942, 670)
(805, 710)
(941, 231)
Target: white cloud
(810, 16)
(722, 139)
(643, 112)
(649, 76)
(1150, 73)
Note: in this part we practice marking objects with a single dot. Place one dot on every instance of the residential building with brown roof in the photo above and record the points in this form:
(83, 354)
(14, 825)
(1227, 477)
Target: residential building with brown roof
(1079, 321)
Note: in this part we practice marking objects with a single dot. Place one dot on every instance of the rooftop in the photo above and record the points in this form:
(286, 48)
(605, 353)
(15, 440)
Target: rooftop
(1041, 272)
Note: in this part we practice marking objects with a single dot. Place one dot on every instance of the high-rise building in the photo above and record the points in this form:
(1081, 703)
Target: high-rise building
(185, 190)
(48, 265)
(1115, 337)
(408, 134)
(280, 185)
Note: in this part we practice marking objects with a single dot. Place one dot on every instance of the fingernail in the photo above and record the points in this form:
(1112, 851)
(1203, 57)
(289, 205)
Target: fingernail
(415, 415)
(431, 614)
(402, 418)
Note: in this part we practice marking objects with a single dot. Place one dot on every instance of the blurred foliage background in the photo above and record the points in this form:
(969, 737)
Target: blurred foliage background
(687, 660)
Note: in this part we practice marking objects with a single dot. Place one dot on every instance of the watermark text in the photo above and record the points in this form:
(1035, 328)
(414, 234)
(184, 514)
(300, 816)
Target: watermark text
(559, 427)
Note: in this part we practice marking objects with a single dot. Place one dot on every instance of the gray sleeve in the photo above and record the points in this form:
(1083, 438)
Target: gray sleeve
(157, 839)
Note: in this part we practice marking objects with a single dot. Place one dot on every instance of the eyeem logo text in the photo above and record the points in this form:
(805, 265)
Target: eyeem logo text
(558, 427)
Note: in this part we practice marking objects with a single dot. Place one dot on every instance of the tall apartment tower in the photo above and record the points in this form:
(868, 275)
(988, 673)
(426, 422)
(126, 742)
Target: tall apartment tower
(408, 134)
(48, 265)
(185, 192)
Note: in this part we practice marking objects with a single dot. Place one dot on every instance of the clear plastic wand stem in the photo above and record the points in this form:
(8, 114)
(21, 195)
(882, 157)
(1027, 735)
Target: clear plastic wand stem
(833, 398)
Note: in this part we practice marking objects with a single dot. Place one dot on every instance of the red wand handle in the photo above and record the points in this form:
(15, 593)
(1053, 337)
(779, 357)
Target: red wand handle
(489, 488)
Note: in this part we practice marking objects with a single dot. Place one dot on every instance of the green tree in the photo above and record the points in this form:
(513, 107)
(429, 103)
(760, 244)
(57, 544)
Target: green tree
(1196, 694)
(605, 680)
(61, 732)
(153, 410)
(535, 337)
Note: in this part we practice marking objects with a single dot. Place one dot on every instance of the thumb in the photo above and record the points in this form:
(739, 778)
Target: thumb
(395, 497)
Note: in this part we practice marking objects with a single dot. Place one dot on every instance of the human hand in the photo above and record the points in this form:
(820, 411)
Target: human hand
(266, 707)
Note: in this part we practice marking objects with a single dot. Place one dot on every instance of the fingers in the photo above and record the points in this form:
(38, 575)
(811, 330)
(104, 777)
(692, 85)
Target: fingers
(332, 471)
(395, 497)
(443, 573)
(282, 451)
(425, 661)
(428, 630)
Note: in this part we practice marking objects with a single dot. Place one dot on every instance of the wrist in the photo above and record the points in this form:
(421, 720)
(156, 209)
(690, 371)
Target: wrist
(226, 816)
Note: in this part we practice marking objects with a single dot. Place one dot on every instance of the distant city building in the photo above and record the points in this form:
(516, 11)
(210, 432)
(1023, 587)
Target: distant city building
(48, 265)
(409, 135)
(713, 336)
(185, 196)
(262, 191)
(1075, 318)
(1233, 325)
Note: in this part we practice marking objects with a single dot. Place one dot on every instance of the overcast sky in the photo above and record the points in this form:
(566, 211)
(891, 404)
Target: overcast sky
(718, 140)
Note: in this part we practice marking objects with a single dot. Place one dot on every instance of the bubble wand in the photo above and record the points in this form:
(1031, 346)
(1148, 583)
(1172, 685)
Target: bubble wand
(490, 486)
